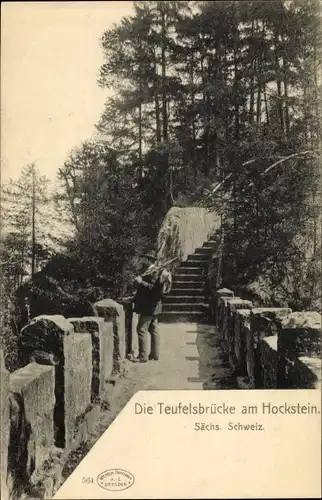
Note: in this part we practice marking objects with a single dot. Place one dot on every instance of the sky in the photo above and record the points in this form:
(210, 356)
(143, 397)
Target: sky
(50, 60)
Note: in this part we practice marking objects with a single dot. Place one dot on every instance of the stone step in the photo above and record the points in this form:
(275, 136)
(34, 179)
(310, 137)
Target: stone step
(194, 263)
(196, 306)
(198, 256)
(187, 270)
(183, 299)
(188, 282)
(181, 317)
(210, 246)
(192, 292)
(204, 250)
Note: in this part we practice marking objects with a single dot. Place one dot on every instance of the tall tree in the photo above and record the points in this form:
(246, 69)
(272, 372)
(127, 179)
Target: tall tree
(27, 217)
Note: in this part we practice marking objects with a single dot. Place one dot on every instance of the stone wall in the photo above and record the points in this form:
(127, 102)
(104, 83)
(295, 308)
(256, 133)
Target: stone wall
(269, 347)
(49, 407)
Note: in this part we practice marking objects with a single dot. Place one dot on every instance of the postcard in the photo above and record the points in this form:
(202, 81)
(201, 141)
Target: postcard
(160, 250)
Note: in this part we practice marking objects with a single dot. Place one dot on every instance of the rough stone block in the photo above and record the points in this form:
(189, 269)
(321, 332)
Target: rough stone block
(4, 426)
(32, 424)
(233, 305)
(303, 373)
(300, 335)
(241, 326)
(224, 314)
(250, 357)
(77, 384)
(45, 483)
(113, 311)
(265, 321)
(221, 311)
(222, 292)
(269, 361)
(102, 351)
(42, 339)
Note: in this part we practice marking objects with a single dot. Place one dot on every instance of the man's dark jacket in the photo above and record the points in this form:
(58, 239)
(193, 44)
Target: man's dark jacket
(147, 300)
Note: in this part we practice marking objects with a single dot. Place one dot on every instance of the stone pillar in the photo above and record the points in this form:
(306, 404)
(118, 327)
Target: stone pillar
(102, 352)
(4, 426)
(264, 322)
(77, 387)
(42, 340)
(221, 293)
(232, 306)
(242, 329)
(32, 421)
(50, 340)
(113, 311)
(299, 351)
(268, 358)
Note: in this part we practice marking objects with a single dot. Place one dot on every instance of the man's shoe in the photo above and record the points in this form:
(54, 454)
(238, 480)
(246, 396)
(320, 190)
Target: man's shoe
(143, 360)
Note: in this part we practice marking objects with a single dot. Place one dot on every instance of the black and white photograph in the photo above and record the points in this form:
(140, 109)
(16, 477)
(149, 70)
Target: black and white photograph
(160, 225)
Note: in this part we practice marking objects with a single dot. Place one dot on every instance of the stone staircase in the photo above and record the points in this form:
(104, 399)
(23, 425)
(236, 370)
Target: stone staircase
(186, 301)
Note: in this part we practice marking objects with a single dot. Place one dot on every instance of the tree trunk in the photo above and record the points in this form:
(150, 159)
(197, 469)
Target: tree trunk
(266, 105)
(236, 97)
(252, 79)
(259, 106)
(33, 249)
(157, 105)
(287, 114)
(140, 141)
(193, 124)
(163, 72)
(157, 120)
(279, 87)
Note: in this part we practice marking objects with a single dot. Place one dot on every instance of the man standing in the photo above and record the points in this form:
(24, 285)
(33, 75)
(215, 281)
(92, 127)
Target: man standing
(151, 285)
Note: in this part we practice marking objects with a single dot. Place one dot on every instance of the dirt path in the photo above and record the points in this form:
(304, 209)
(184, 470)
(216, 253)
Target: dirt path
(190, 359)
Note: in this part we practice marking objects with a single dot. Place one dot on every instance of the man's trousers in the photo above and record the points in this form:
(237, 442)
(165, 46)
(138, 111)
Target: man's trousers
(148, 325)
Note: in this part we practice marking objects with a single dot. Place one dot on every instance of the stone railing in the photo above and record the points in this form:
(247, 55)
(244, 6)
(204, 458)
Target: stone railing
(50, 406)
(269, 348)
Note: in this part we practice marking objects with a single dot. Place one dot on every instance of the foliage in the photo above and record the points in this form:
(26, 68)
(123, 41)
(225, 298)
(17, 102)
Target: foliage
(215, 104)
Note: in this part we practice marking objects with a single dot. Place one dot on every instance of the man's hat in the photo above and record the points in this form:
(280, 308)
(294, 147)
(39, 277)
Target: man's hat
(150, 255)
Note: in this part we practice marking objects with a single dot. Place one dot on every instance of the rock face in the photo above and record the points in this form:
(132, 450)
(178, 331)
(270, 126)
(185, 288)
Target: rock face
(114, 312)
(4, 426)
(185, 229)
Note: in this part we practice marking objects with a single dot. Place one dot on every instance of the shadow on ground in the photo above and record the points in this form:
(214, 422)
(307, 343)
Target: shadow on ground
(214, 368)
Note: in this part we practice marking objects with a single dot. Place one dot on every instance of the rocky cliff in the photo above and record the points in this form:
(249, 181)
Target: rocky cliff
(185, 229)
